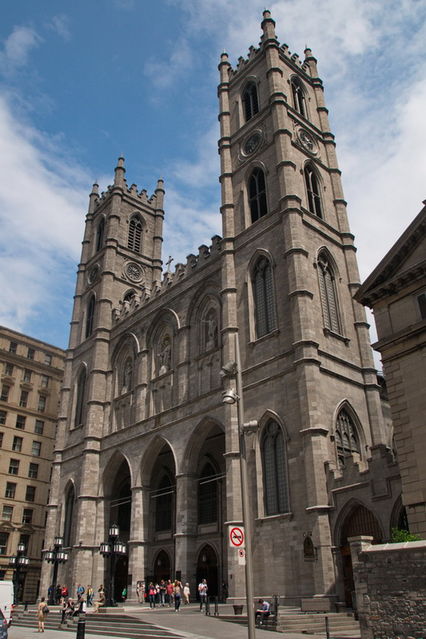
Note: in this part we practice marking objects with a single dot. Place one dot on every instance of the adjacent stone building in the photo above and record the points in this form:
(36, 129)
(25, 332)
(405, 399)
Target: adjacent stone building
(144, 438)
(31, 375)
(396, 291)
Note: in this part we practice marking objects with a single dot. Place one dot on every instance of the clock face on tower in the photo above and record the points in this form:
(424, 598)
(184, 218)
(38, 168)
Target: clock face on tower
(252, 143)
(307, 141)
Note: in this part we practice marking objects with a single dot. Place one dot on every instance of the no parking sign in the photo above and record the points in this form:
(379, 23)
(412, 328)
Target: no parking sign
(236, 537)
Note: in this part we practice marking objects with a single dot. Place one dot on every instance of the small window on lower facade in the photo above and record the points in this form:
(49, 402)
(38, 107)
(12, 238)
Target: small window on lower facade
(7, 513)
(30, 493)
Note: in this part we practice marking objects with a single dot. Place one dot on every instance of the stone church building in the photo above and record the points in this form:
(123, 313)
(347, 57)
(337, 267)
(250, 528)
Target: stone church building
(144, 438)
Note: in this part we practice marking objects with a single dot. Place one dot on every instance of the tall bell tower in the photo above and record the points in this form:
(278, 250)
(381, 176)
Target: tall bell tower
(288, 278)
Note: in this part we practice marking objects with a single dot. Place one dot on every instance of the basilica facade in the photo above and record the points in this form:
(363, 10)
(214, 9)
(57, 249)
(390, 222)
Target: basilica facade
(145, 440)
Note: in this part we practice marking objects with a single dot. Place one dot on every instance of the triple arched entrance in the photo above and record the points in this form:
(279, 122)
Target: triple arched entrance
(176, 525)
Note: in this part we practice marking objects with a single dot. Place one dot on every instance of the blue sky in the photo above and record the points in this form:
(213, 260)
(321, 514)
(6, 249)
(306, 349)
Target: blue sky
(82, 82)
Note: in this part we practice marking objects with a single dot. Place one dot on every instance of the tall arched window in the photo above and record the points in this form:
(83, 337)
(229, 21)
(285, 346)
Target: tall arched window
(164, 504)
(207, 495)
(79, 400)
(274, 461)
(90, 316)
(346, 437)
(100, 234)
(250, 101)
(313, 191)
(69, 512)
(298, 96)
(263, 294)
(327, 285)
(257, 194)
(134, 242)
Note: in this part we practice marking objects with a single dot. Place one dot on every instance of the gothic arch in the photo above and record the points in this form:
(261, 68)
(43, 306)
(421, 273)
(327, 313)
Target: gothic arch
(341, 527)
(328, 278)
(272, 458)
(250, 102)
(299, 95)
(136, 228)
(398, 518)
(110, 470)
(314, 188)
(207, 426)
(68, 514)
(345, 405)
(149, 457)
(208, 566)
(261, 295)
(79, 395)
(100, 233)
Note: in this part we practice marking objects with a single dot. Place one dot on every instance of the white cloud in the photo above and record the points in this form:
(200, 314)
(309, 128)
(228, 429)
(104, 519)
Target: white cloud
(60, 25)
(17, 47)
(165, 73)
(42, 209)
(203, 171)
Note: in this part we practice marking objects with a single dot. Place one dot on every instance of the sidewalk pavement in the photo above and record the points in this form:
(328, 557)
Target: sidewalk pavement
(190, 623)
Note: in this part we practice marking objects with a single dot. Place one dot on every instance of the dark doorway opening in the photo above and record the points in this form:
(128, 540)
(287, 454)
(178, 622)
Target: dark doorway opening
(207, 568)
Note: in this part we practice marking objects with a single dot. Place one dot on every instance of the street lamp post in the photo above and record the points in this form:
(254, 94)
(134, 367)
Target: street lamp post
(231, 397)
(56, 556)
(17, 563)
(112, 549)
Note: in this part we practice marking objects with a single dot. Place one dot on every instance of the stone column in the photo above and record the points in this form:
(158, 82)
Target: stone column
(186, 523)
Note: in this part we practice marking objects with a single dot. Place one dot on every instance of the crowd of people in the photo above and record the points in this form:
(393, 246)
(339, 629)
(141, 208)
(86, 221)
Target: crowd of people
(169, 593)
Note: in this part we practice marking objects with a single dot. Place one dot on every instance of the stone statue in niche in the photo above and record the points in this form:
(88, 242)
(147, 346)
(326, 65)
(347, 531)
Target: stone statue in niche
(164, 355)
(127, 376)
(211, 330)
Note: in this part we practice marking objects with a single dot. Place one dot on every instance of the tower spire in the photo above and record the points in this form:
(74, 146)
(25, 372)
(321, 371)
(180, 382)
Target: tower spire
(119, 172)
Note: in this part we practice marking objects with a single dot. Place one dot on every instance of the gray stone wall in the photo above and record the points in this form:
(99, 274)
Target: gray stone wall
(390, 583)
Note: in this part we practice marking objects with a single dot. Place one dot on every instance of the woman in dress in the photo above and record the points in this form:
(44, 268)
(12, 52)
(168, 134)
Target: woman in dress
(41, 613)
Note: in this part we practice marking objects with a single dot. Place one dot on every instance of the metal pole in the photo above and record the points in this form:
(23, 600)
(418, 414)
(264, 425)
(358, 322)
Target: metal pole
(15, 582)
(54, 580)
(245, 496)
(327, 629)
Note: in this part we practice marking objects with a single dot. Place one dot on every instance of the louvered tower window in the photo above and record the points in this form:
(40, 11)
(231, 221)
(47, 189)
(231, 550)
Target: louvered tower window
(274, 460)
(347, 441)
(313, 191)
(257, 195)
(263, 297)
(250, 101)
(298, 96)
(79, 402)
(327, 284)
(100, 234)
(90, 316)
(135, 235)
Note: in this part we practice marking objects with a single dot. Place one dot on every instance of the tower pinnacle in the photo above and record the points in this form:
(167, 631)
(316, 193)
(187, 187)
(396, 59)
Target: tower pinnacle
(119, 172)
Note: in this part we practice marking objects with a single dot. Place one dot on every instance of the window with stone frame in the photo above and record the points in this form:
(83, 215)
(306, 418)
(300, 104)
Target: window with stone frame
(346, 437)
(10, 491)
(274, 466)
(41, 406)
(257, 194)
(8, 368)
(39, 427)
(134, 242)
(1, 439)
(30, 353)
(313, 190)
(3, 415)
(421, 301)
(250, 101)
(17, 444)
(36, 449)
(23, 400)
(7, 513)
(30, 493)
(20, 422)
(126, 382)
(4, 393)
(27, 376)
(4, 538)
(210, 330)
(298, 93)
(79, 398)
(13, 466)
(33, 470)
(328, 293)
(263, 297)
(208, 495)
(27, 515)
(69, 514)
(13, 347)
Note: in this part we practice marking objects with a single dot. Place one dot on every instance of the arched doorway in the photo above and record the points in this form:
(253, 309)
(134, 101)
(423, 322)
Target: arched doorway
(162, 567)
(360, 521)
(120, 513)
(207, 568)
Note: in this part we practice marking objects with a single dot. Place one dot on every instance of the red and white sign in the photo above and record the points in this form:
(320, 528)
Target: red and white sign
(236, 537)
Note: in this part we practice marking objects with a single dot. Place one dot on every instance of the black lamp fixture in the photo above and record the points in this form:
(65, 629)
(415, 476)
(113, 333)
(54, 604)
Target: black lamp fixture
(112, 549)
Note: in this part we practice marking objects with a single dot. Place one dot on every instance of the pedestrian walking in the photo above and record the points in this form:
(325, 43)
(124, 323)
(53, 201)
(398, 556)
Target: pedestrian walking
(42, 611)
(202, 592)
(177, 593)
(186, 594)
